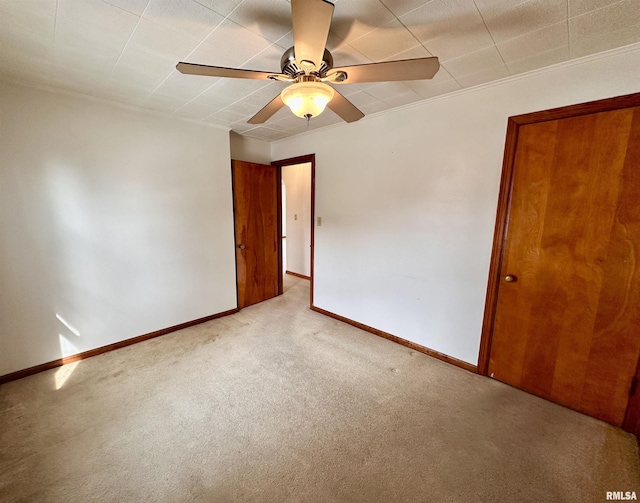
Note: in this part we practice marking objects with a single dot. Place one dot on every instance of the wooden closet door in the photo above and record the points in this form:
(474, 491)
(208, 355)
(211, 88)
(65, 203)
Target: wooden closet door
(257, 229)
(567, 322)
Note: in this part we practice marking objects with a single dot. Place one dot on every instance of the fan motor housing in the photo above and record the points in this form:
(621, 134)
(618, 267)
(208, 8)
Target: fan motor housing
(291, 68)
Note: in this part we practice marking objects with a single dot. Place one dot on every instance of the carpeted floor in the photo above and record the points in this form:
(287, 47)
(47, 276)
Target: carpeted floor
(281, 404)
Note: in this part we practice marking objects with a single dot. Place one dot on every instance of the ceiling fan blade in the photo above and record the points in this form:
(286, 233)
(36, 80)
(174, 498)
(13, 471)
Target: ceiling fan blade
(344, 108)
(267, 111)
(406, 69)
(220, 71)
(311, 23)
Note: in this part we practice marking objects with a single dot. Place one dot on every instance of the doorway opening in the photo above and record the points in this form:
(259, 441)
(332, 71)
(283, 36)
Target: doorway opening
(297, 205)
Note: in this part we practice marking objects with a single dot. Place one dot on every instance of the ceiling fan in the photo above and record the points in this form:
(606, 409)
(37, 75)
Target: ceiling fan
(308, 66)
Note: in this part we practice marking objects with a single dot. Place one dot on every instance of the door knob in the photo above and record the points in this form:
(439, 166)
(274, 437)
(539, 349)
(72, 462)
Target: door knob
(510, 278)
(242, 247)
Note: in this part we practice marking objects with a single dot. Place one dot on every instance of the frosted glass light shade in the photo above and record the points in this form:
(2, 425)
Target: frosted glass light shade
(307, 99)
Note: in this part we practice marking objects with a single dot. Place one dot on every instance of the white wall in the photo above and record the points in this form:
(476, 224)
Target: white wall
(113, 224)
(244, 148)
(297, 180)
(408, 201)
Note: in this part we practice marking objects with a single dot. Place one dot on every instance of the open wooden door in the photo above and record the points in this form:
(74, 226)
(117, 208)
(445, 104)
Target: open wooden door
(256, 205)
(563, 308)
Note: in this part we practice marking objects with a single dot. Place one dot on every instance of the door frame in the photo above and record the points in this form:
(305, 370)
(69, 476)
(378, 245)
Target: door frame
(311, 158)
(502, 219)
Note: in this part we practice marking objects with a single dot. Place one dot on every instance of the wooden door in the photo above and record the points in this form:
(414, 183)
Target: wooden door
(256, 189)
(567, 311)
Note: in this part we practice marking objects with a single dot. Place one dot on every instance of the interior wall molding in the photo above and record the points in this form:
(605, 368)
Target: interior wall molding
(13, 376)
(512, 78)
(103, 101)
(412, 345)
(298, 275)
(520, 76)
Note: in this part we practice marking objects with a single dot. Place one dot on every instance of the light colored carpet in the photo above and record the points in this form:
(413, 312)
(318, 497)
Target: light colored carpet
(281, 404)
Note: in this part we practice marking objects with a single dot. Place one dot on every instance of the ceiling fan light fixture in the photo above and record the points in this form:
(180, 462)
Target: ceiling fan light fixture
(307, 99)
(308, 66)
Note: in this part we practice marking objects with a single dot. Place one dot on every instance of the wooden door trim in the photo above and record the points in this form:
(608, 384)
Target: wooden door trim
(289, 162)
(235, 234)
(499, 236)
(631, 421)
(279, 227)
(591, 107)
(504, 199)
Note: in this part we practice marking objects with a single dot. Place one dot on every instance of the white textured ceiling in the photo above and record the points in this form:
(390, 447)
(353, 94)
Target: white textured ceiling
(126, 50)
